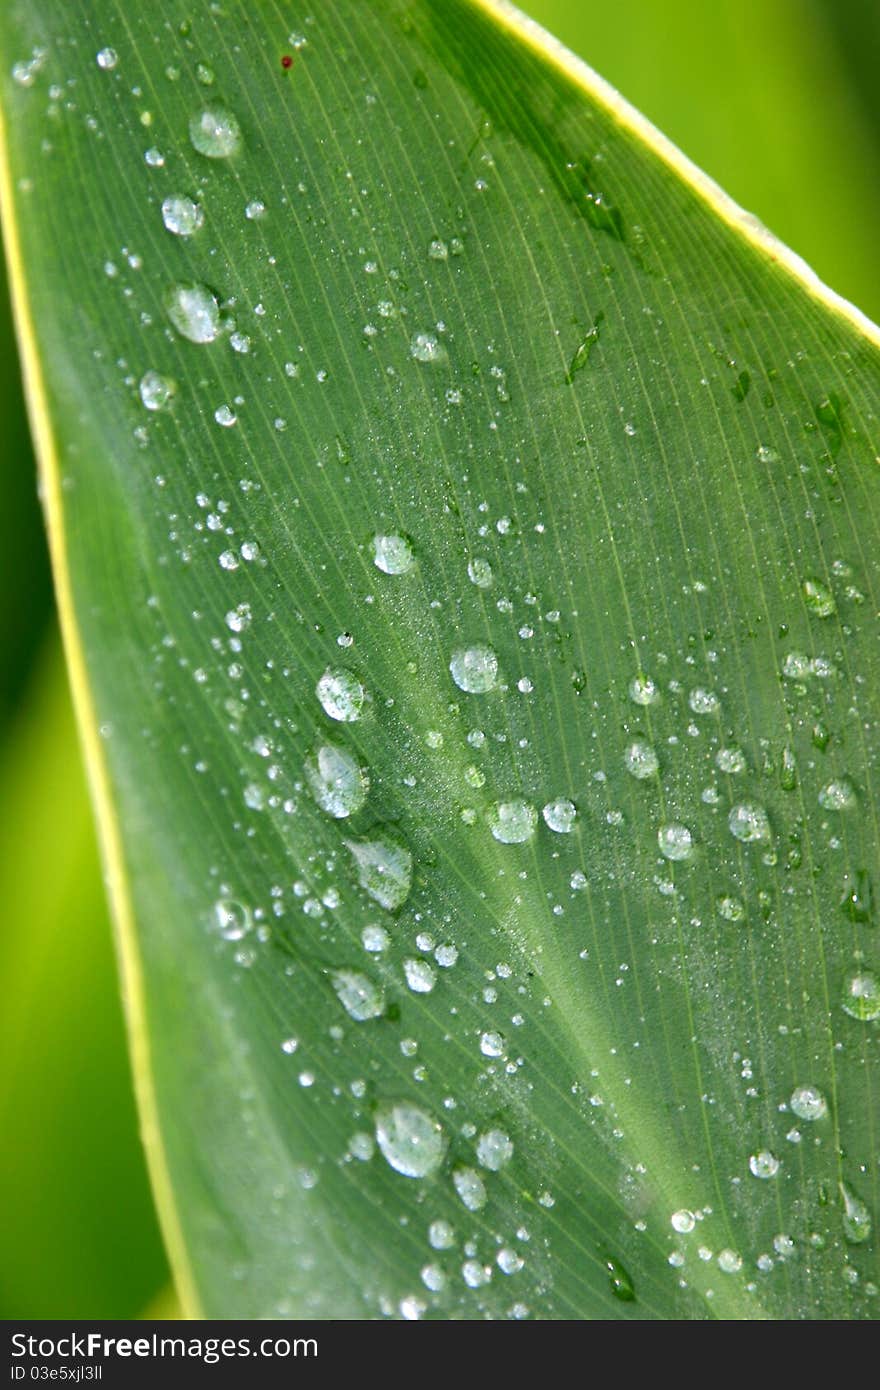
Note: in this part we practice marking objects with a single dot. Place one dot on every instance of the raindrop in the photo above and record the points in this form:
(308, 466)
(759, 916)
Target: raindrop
(360, 996)
(808, 1103)
(106, 58)
(861, 996)
(384, 871)
(838, 795)
(856, 1216)
(644, 691)
(621, 1284)
(749, 823)
(194, 311)
(683, 1221)
(729, 1262)
(215, 132)
(474, 669)
(640, 760)
(410, 1140)
(181, 215)
(441, 1235)
(818, 598)
(156, 390)
(470, 1188)
(559, 815)
(494, 1150)
(491, 1044)
(480, 572)
(255, 210)
(420, 976)
(336, 780)
(512, 822)
(764, 1164)
(393, 554)
(675, 841)
(426, 347)
(232, 919)
(225, 416)
(341, 695)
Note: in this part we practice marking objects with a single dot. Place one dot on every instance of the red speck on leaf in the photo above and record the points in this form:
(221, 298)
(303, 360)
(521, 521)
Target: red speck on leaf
(286, 61)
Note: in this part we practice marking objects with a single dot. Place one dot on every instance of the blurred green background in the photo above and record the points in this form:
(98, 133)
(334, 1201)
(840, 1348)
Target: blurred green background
(779, 101)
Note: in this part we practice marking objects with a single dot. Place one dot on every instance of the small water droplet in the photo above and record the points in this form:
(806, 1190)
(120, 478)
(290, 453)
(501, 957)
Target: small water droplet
(441, 1235)
(621, 1284)
(764, 1164)
(225, 416)
(232, 919)
(838, 795)
(491, 1044)
(861, 996)
(494, 1150)
(393, 554)
(360, 996)
(675, 841)
(181, 215)
(421, 977)
(426, 347)
(155, 390)
(683, 1221)
(560, 815)
(336, 780)
(341, 695)
(480, 572)
(856, 1216)
(808, 1103)
(474, 669)
(644, 691)
(255, 210)
(107, 58)
(194, 310)
(384, 871)
(749, 823)
(470, 1188)
(409, 1139)
(215, 132)
(729, 1262)
(512, 822)
(640, 760)
(818, 598)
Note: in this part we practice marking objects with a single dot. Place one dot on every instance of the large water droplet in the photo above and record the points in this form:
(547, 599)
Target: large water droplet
(410, 1140)
(861, 996)
(474, 669)
(512, 822)
(194, 311)
(384, 871)
(838, 795)
(749, 823)
(393, 554)
(644, 691)
(426, 347)
(341, 695)
(215, 132)
(360, 996)
(181, 215)
(336, 780)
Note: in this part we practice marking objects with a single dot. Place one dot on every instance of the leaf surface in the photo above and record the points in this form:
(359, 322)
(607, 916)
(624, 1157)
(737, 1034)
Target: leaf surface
(464, 521)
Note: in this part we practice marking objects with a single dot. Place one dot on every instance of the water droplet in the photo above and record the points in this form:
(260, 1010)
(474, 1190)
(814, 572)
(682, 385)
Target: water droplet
(426, 347)
(441, 1235)
(808, 1103)
(194, 311)
(480, 572)
(181, 215)
(861, 996)
(156, 390)
(491, 1044)
(729, 1262)
(856, 1216)
(508, 1261)
(433, 1278)
(474, 669)
(106, 58)
(675, 841)
(857, 899)
(683, 1221)
(360, 996)
(375, 938)
(731, 759)
(393, 554)
(494, 1150)
(215, 132)
(640, 760)
(644, 691)
(470, 1188)
(749, 823)
(621, 1284)
(410, 1140)
(341, 695)
(818, 598)
(838, 795)
(559, 815)
(255, 210)
(420, 976)
(764, 1164)
(731, 908)
(232, 919)
(225, 416)
(155, 158)
(336, 780)
(512, 822)
(384, 871)
(704, 701)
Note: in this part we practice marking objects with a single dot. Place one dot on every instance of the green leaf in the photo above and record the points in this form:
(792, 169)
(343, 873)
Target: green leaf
(463, 521)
